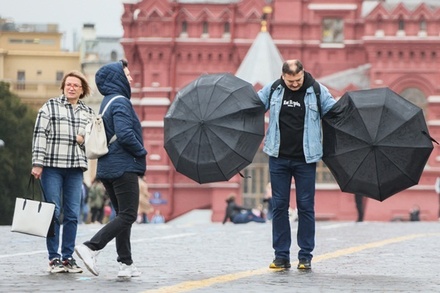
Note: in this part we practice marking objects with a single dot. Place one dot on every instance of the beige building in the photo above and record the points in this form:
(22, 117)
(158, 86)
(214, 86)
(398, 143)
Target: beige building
(32, 61)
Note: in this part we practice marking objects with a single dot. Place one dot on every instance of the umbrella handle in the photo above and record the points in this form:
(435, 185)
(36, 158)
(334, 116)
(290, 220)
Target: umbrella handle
(427, 135)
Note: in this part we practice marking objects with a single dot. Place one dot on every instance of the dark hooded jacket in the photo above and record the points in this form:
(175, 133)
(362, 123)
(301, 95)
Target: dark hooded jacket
(127, 153)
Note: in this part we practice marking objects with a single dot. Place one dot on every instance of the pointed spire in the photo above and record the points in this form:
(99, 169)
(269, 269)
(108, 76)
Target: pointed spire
(262, 63)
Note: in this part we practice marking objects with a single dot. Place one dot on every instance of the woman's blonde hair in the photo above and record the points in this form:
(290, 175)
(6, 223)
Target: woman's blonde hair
(84, 83)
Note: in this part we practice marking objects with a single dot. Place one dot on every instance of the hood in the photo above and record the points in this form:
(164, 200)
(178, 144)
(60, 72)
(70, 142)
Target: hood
(308, 81)
(110, 79)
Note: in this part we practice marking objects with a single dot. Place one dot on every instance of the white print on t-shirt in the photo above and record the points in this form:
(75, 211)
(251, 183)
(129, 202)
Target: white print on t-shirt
(291, 103)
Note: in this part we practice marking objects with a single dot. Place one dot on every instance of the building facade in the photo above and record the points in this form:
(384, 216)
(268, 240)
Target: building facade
(346, 44)
(32, 61)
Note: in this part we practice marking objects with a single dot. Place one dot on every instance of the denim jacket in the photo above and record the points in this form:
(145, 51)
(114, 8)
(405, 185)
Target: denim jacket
(312, 122)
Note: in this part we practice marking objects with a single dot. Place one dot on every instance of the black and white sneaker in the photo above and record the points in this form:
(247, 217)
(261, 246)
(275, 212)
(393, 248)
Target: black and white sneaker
(56, 266)
(71, 266)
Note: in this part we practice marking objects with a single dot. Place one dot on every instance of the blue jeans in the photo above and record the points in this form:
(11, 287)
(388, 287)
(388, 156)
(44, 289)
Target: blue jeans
(62, 186)
(124, 196)
(281, 173)
(246, 217)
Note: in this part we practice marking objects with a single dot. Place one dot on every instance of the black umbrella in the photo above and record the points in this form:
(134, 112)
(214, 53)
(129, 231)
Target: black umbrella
(376, 143)
(214, 127)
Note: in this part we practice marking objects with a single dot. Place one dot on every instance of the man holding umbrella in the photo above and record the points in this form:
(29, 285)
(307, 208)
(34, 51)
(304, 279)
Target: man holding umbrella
(293, 142)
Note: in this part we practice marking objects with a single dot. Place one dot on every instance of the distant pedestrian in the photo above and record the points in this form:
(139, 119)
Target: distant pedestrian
(238, 214)
(414, 213)
(96, 201)
(359, 200)
(119, 169)
(59, 160)
(157, 218)
(144, 202)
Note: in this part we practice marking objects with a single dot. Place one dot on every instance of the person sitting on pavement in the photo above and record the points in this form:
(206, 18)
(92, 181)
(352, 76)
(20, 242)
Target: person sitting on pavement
(238, 214)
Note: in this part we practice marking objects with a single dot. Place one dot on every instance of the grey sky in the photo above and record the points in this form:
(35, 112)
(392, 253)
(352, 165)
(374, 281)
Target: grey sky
(69, 15)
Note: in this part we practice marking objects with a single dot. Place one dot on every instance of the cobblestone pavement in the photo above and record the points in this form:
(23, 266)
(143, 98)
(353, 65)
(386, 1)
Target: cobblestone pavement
(349, 257)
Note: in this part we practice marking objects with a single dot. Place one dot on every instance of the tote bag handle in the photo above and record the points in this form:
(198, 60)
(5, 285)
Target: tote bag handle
(32, 181)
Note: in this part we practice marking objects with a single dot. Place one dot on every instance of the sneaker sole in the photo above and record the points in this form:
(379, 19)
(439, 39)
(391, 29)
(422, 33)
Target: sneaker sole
(273, 266)
(57, 271)
(302, 267)
(87, 266)
(74, 271)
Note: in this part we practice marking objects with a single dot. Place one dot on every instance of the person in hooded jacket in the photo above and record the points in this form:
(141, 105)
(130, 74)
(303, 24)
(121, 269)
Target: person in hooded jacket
(119, 169)
(293, 143)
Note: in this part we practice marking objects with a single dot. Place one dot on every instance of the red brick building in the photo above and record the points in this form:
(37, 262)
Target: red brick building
(345, 44)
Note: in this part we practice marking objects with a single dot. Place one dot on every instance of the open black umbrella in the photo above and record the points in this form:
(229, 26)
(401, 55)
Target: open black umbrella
(214, 127)
(376, 143)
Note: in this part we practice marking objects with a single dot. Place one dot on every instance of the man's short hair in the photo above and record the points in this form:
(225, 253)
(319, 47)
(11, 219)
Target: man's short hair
(288, 64)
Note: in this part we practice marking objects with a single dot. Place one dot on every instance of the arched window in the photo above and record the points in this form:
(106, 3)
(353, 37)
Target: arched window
(226, 28)
(415, 96)
(114, 56)
(205, 29)
(184, 29)
(422, 25)
(401, 25)
(422, 28)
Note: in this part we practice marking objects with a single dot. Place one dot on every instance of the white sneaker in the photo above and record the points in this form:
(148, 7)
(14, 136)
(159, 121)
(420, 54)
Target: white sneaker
(88, 256)
(128, 271)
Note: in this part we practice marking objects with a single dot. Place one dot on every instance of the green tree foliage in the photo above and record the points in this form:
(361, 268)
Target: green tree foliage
(16, 128)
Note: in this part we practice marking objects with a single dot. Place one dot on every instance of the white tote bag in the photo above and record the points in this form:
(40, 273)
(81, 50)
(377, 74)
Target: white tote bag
(31, 216)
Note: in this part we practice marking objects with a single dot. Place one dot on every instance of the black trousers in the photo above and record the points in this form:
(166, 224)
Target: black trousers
(124, 196)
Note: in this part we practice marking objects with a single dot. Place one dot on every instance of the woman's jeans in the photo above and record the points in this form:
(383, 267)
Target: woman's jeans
(124, 196)
(62, 186)
(281, 173)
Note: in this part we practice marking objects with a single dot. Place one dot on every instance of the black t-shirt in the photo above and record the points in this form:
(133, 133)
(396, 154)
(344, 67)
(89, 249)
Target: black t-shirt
(292, 115)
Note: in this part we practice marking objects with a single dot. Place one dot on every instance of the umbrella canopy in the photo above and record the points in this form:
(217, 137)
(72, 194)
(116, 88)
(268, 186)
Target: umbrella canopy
(376, 143)
(214, 127)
